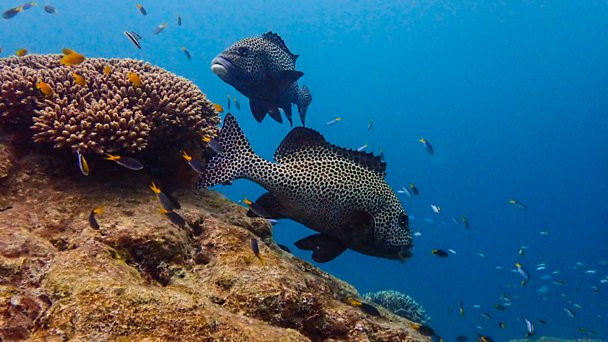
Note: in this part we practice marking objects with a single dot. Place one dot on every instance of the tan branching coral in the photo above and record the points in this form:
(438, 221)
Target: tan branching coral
(109, 113)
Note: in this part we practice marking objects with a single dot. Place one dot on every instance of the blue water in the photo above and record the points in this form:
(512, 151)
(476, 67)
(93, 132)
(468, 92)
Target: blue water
(512, 95)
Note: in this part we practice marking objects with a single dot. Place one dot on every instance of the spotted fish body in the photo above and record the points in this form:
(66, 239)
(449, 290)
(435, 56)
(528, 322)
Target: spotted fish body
(337, 192)
(263, 69)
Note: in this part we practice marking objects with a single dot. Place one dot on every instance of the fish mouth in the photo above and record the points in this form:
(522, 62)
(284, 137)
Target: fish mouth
(222, 66)
(405, 253)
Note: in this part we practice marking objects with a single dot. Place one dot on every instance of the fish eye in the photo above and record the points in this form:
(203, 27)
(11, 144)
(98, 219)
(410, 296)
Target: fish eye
(403, 220)
(242, 50)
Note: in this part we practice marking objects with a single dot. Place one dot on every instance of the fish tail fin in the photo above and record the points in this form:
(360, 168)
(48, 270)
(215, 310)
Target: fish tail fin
(303, 101)
(232, 162)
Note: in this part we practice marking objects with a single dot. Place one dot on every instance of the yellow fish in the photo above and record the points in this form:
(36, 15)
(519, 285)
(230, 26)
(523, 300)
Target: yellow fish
(72, 58)
(45, 88)
(21, 52)
(79, 79)
(134, 79)
(218, 108)
(107, 70)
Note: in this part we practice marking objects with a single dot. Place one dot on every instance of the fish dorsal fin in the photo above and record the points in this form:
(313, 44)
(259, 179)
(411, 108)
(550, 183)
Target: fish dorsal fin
(304, 144)
(276, 39)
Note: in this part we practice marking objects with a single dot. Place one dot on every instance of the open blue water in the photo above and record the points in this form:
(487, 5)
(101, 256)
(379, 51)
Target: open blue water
(513, 95)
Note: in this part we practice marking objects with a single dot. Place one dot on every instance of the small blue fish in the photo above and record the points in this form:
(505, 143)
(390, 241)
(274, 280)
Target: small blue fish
(427, 146)
(522, 271)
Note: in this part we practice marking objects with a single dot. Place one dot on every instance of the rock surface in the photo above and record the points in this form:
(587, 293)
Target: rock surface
(141, 277)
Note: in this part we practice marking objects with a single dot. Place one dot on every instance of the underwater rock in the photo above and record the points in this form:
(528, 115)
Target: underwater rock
(399, 304)
(141, 277)
(109, 113)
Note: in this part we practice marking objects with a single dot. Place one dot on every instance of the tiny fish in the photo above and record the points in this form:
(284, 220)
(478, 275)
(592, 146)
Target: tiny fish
(422, 329)
(255, 210)
(485, 315)
(367, 308)
(50, 9)
(92, 219)
(517, 204)
(195, 164)
(481, 255)
(218, 108)
(256, 250)
(179, 20)
(558, 282)
(542, 322)
(522, 250)
(134, 79)
(160, 28)
(544, 232)
(427, 146)
(465, 221)
(164, 200)
(414, 189)
(481, 338)
(127, 162)
(370, 124)
(440, 253)
(228, 103)
(361, 148)
(499, 307)
(436, 208)
(461, 309)
(133, 37)
(451, 251)
(29, 5)
(236, 103)
(21, 52)
(333, 121)
(213, 144)
(272, 221)
(285, 248)
(44, 88)
(522, 271)
(107, 70)
(186, 52)
(73, 58)
(406, 191)
(174, 217)
(82, 164)
(10, 13)
(570, 312)
(141, 9)
(78, 79)
(590, 271)
(502, 325)
(417, 234)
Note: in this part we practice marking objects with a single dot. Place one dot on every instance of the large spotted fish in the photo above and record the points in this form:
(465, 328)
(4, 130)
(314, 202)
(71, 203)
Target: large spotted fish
(263, 69)
(339, 193)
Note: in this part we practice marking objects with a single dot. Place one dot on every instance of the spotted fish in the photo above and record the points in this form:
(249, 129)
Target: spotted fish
(263, 69)
(338, 192)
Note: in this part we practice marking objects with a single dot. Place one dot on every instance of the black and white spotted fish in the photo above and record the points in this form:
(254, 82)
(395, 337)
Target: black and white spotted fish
(338, 192)
(263, 69)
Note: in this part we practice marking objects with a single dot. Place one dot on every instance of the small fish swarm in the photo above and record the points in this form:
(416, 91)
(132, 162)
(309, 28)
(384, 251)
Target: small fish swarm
(108, 114)
(400, 304)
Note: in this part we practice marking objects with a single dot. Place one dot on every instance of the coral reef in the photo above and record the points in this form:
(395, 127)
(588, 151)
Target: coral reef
(110, 113)
(140, 277)
(554, 339)
(400, 304)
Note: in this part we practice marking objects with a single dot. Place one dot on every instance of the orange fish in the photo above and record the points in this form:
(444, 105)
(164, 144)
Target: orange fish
(79, 79)
(107, 70)
(21, 52)
(218, 108)
(134, 79)
(72, 58)
(45, 88)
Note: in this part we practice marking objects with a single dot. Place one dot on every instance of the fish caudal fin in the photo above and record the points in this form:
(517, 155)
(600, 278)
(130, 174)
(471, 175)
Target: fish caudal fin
(231, 163)
(303, 101)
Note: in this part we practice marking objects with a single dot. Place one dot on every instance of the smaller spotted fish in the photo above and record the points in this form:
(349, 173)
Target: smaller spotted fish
(213, 144)
(186, 52)
(82, 164)
(50, 9)
(440, 253)
(134, 79)
(44, 88)
(10, 13)
(160, 28)
(218, 108)
(93, 219)
(141, 9)
(427, 146)
(517, 204)
(179, 20)
(174, 217)
(134, 38)
(126, 162)
(78, 79)
(107, 70)
(195, 164)
(164, 200)
(256, 250)
(333, 121)
(21, 52)
(72, 58)
(367, 308)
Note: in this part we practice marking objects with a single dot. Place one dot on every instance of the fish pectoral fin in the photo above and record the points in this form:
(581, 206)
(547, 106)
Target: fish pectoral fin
(270, 206)
(275, 113)
(278, 82)
(323, 247)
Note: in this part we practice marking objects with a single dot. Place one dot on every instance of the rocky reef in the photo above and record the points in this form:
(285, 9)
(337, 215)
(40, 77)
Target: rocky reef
(139, 276)
(399, 304)
(554, 339)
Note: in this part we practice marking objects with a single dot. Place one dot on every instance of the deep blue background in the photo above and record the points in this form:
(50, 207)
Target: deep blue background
(513, 96)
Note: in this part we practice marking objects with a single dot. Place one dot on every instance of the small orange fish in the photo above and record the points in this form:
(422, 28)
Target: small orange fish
(78, 79)
(134, 79)
(107, 70)
(45, 88)
(21, 52)
(72, 58)
(218, 108)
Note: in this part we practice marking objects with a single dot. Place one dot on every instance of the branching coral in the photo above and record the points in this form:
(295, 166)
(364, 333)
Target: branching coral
(109, 113)
(400, 304)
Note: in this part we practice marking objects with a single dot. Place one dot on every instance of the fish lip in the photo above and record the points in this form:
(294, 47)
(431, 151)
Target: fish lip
(405, 252)
(222, 66)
